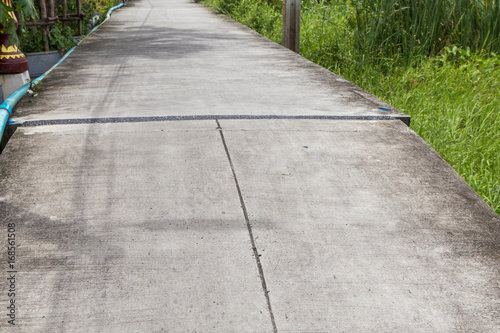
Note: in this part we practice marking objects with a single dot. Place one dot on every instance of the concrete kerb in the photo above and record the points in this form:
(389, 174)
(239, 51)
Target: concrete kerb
(10, 102)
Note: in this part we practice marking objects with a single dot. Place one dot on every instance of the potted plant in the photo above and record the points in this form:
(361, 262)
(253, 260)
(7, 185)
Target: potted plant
(45, 44)
(44, 47)
(32, 43)
(9, 21)
(13, 63)
(12, 60)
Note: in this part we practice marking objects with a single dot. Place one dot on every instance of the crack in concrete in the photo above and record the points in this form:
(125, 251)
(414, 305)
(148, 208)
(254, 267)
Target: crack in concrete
(249, 228)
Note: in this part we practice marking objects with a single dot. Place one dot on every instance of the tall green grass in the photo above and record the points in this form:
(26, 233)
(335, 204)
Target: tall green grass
(433, 59)
(423, 27)
(262, 16)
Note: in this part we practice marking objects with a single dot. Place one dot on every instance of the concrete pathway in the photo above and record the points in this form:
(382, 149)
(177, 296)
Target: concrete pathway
(181, 173)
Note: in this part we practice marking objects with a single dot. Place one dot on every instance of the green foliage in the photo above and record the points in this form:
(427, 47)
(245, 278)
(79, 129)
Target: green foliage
(326, 37)
(432, 59)
(61, 37)
(261, 16)
(6, 19)
(89, 9)
(99, 6)
(411, 28)
(26, 10)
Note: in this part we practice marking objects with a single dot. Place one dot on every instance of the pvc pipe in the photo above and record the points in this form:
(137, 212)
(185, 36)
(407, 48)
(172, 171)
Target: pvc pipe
(40, 78)
(10, 102)
(8, 105)
(4, 117)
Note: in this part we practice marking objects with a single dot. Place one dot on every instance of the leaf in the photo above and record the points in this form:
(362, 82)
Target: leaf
(26, 8)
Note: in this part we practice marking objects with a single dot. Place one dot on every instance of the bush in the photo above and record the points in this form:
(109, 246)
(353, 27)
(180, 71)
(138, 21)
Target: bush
(61, 37)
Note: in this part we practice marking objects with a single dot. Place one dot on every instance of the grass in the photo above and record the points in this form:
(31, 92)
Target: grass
(410, 28)
(434, 60)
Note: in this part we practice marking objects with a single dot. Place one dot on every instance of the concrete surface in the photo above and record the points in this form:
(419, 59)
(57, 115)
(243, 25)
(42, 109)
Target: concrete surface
(192, 220)
(12, 82)
(157, 58)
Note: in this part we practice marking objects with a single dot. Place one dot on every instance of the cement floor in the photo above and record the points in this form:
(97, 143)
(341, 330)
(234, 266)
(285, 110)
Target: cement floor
(192, 176)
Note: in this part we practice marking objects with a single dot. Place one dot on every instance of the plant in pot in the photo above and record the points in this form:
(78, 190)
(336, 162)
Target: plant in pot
(44, 47)
(13, 63)
(11, 59)
(60, 40)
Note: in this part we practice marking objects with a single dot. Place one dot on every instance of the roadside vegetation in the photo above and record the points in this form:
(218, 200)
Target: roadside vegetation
(436, 60)
(62, 34)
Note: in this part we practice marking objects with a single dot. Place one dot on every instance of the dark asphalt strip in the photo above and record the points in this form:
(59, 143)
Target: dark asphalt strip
(109, 120)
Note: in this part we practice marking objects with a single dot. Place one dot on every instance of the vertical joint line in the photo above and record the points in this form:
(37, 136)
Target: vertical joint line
(249, 228)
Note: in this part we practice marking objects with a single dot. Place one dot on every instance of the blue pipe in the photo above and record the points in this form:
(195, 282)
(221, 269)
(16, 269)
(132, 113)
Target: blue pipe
(10, 102)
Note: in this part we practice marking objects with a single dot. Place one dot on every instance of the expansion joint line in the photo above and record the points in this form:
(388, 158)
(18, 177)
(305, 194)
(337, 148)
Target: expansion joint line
(249, 228)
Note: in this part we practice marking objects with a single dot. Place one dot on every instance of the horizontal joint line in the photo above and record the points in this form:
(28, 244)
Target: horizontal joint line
(109, 120)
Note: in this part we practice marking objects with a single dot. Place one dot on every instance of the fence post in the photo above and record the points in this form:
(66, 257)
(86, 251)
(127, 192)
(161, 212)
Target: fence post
(51, 10)
(291, 25)
(45, 30)
(65, 12)
(79, 8)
